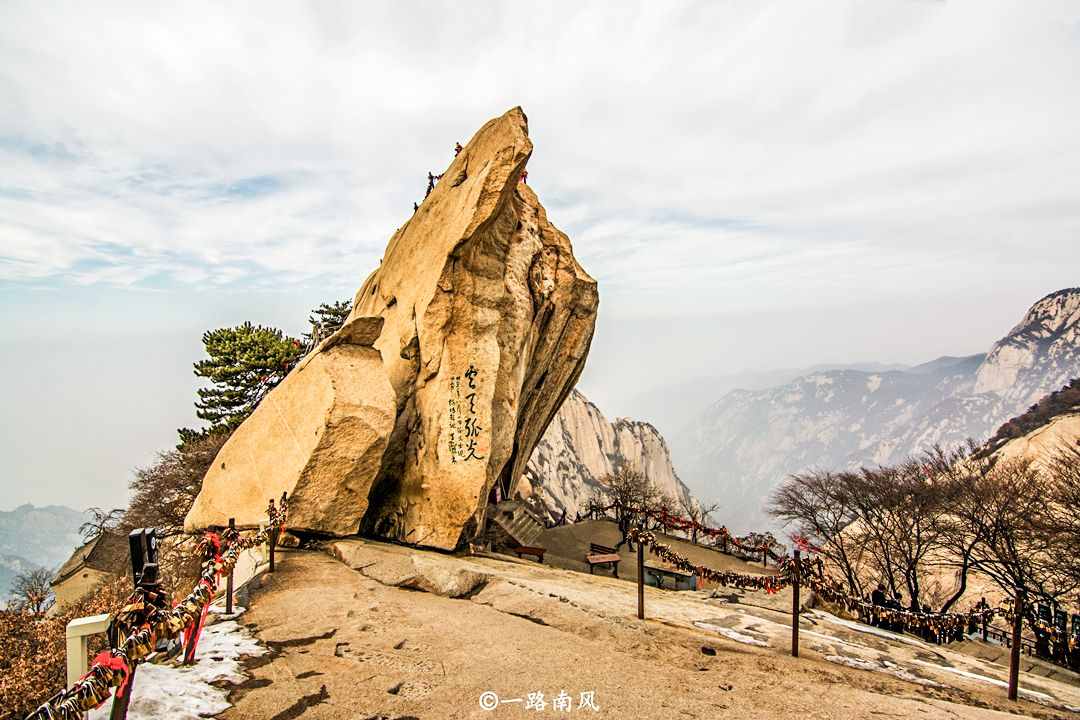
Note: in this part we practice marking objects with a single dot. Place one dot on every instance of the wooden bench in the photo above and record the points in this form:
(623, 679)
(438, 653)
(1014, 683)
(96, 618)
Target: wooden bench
(603, 555)
(536, 552)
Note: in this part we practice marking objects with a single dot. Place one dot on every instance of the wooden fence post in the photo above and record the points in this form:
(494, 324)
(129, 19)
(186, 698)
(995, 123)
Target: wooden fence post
(1014, 656)
(764, 556)
(795, 607)
(229, 580)
(640, 579)
(273, 543)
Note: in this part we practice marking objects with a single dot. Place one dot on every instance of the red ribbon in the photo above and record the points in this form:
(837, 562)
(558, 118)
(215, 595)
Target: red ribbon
(106, 659)
(215, 540)
(192, 631)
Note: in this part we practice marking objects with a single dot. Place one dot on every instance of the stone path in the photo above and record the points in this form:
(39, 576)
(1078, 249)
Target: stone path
(370, 636)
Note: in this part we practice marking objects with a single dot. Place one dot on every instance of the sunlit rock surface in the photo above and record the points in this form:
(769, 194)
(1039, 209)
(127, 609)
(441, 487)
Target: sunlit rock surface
(486, 320)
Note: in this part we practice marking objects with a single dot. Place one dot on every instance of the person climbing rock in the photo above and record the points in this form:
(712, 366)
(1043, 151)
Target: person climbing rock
(415, 206)
(430, 183)
(525, 176)
(457, 149)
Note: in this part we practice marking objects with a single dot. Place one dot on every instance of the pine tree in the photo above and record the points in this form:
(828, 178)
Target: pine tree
(244, 364)
(325, 321)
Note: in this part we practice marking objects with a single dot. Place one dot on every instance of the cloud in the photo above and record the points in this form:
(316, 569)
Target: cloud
(712, 152)
(753, 182)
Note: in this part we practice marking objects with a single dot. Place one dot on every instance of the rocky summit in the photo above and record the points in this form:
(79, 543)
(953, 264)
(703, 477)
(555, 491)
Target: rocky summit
(459, 350)
(581, 447)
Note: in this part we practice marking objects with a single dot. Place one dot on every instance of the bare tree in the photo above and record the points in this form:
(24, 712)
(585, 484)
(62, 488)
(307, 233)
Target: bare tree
(161, 496)
(630, 493)
(899, 510)
(817, 503)
(1063, 511)
(100, 521)
(965, 509)
(962, 530)
(162, 493)
(698, 512)
(32, 591)
(1019, 544)
(886, 520)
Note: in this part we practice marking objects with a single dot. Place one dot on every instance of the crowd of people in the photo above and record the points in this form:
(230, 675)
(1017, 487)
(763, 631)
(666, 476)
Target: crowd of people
(896, 622)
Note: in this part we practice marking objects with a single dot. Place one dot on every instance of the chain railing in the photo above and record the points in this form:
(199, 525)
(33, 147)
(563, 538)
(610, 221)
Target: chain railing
(146, 618)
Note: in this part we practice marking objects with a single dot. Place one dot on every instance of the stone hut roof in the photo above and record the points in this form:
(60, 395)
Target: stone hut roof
(108, 553)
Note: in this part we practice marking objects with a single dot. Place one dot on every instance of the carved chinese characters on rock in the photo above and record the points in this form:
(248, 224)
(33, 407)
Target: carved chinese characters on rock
(464, 426)
(453, 416)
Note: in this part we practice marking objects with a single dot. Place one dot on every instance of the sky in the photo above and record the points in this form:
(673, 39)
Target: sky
(753, 184)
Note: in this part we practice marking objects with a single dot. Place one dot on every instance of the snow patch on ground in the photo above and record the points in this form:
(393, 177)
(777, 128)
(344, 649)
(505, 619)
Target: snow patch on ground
(885, 666)
(731, 634)
(1034, 695)
(181, 692)
(868, 629)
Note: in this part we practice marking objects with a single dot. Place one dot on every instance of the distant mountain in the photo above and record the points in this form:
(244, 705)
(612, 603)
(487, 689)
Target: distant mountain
(581, 446)
(743, 446)
(10, 566)
(671, 407)
(36, 537)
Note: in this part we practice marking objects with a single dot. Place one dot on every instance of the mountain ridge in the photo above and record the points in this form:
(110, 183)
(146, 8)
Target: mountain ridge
(34, 536)
(746, 442)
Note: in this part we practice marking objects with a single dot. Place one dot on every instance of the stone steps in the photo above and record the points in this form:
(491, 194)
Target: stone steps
(517, 522)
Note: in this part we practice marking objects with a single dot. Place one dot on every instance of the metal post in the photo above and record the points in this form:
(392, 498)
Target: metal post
(640, 579)
(120, 702)
(1014, 657)
(795, 607)
(229, 580)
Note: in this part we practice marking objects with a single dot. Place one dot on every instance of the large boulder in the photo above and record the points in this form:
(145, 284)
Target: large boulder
(319, 435)
(484, 322)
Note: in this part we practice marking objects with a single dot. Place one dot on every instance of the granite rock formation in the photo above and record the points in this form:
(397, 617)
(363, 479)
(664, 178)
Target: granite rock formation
(460, 349)
(320, 435)
(580, 447)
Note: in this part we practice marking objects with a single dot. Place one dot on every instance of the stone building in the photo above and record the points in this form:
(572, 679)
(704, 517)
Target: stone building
(100, 560)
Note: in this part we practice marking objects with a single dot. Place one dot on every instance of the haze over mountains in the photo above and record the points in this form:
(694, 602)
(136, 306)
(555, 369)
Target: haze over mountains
(746, 442)
(36, 537)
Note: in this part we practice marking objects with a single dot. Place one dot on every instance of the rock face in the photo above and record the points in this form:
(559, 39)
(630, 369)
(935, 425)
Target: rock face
(459, 350)
(320, 435)
(1026, 364)
(748, 441)
(1043, 444)
(581, 446)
